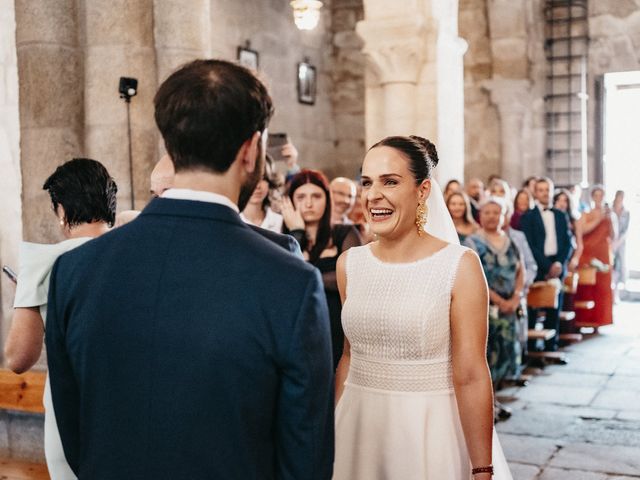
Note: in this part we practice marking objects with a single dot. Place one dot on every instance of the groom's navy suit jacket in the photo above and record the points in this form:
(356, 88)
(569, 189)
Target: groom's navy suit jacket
(532, 226)
(184, 345)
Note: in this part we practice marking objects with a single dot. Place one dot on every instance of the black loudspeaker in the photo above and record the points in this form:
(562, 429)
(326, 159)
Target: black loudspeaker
(128, 87)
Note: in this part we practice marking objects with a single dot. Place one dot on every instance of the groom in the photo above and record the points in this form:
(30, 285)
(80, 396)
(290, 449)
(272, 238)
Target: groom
(184, 345)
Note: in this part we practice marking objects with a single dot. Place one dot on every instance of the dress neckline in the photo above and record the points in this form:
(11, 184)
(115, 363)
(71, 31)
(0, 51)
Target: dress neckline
(405, 264)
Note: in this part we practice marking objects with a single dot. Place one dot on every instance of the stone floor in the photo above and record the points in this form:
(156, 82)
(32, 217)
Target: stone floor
(581, 421)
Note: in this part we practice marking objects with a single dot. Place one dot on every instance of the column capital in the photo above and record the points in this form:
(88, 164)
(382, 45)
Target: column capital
(395, 47)
(510, 96)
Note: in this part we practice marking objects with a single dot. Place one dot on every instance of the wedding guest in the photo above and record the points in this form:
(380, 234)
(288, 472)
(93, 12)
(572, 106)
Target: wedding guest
(307, 216)
(258, 211)
(530, 185)
(343, 199)
(620, 243)
(522, 203)
(548, 235)
(598, 236)
(460, 211)
(452, 185)
(564, 202)
(504, 269)
(413, 389)
(500, 188)
(83, 197)
(474, 190)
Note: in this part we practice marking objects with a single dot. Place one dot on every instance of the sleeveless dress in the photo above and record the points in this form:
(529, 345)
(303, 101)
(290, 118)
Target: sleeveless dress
(398, 418)
(36, 262)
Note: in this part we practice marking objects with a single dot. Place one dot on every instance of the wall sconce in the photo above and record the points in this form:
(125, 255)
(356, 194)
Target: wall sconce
(306, 13)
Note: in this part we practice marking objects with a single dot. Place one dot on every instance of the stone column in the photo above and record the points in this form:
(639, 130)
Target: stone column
(415, 76)
(512, 99)
(181, 34)
(50, 92)
(120, 43)
(395, 48)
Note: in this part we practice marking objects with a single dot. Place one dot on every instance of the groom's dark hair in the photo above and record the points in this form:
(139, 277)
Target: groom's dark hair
(206, 110)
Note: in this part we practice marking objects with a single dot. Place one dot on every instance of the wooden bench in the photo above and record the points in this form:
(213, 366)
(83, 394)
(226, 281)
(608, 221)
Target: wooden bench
(22, 392)
(585, 304)
(550, 357)
(567, 316)
(11, 469)
(534, 334)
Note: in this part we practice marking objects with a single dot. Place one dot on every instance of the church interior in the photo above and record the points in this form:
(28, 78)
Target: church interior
(506, 89)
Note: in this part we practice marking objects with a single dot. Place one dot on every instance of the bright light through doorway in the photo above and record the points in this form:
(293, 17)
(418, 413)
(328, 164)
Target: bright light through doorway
(622, 152)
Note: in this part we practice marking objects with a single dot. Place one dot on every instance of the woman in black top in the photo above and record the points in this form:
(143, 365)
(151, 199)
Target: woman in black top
(307, 216)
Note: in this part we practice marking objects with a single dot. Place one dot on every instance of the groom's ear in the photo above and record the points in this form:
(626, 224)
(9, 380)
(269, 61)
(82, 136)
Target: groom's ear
(249, 152)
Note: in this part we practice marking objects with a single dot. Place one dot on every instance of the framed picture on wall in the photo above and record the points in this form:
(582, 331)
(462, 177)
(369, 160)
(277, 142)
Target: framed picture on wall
(307, 80)
(248, 58)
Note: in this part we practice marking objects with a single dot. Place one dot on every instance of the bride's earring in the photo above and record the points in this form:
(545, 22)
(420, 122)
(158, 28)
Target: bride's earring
(421, 217)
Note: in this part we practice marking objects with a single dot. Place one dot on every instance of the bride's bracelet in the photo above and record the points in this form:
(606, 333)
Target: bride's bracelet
(487, 469)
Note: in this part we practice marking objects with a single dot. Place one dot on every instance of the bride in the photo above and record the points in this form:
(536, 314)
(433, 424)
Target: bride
(413, 390)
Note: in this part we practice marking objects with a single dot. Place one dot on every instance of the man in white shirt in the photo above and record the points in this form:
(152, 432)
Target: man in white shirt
(548, 235)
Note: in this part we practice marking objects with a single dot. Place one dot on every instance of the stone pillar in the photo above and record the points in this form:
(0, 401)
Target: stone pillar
(120, 43)
(181, 34)
(415, 76)
(512, 99)
(395, 48)
(50, 93)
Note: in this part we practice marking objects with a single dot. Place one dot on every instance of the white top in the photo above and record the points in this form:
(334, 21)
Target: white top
(550, 239)
(396, 317)
(272, 221)
(200, 196)
(36, 262)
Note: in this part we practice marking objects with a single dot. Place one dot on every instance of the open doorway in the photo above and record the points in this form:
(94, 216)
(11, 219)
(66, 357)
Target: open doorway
(621, 158)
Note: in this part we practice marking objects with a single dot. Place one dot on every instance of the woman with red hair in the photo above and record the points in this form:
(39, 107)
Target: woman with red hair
(307, 216)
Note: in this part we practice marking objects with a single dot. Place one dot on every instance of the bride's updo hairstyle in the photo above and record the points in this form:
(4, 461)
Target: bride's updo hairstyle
(420, 153)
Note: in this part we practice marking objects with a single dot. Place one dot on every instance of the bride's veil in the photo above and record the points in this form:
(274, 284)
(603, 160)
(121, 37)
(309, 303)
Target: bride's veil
(439, 222)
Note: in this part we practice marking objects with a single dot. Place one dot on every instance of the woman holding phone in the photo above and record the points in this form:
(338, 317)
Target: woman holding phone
(83, 198)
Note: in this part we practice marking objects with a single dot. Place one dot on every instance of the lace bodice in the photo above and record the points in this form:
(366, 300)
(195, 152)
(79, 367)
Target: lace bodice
(396, 317)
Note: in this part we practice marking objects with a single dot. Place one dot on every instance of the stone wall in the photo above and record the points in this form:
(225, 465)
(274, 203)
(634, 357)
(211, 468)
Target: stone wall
(269, 28)
(348, 66)
(505, 73)
(10, 175)
(505, 80)
(481, 121)
(614, 29)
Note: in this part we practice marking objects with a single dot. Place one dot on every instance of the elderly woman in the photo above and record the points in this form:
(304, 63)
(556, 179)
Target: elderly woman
(83, 198)
(504, 268)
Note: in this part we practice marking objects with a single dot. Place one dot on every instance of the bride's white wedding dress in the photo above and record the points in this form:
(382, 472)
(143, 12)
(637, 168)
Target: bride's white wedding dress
(398, 417)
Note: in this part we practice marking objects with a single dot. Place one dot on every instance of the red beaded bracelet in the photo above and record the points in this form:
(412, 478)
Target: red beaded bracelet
(487, 469)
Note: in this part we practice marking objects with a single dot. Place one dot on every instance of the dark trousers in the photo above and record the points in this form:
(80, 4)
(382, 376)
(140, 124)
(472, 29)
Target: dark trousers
(551, 321)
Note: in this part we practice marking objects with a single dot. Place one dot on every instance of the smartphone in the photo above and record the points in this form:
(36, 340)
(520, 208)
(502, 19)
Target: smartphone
(10, 273)
(275, 143)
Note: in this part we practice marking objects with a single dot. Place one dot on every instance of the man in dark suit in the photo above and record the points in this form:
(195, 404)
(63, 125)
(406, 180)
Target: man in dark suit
(548, 235)
(184, 345)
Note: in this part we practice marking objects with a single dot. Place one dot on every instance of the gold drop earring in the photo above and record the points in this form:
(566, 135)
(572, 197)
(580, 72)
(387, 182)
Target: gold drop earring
(421, 217)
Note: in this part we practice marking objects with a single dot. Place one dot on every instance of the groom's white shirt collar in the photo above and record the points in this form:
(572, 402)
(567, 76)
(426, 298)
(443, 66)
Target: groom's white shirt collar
(199, 196)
